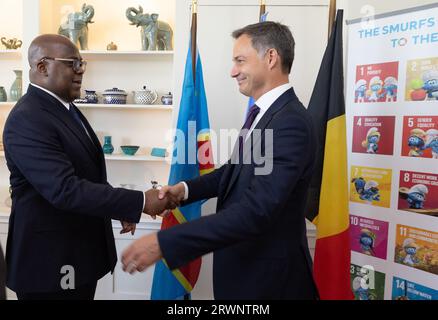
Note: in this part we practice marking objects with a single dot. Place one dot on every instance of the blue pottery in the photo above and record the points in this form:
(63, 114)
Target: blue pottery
(91, 96)
(107, 146)
(129, 150)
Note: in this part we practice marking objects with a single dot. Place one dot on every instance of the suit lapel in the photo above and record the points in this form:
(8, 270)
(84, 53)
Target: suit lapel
(53, 106)
(95, 141)
(286, 97)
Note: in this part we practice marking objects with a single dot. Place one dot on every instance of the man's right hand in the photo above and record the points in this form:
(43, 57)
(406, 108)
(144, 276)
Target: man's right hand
(175, 193)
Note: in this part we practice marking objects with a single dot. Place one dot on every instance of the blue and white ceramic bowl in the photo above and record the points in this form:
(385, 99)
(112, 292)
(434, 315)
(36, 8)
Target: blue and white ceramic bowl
(114, 96)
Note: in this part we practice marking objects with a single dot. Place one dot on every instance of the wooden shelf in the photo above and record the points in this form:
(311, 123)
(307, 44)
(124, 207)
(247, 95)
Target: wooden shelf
(122, 157)
(125, 106)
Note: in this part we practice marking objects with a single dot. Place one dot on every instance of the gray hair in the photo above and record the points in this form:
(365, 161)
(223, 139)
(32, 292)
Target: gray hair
(267, 35)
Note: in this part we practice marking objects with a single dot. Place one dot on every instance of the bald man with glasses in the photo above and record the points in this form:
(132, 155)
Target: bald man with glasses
(60, 239)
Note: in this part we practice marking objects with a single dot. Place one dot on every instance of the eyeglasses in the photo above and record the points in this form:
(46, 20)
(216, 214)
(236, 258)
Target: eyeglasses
(78, 65)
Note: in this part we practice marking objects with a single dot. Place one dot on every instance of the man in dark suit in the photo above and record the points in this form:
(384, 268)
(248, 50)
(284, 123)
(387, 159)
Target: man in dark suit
(258, 234)
(60, 239)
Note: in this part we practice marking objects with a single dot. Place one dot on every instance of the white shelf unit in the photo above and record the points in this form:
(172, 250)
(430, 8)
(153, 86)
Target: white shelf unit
(146, 158)
(9, 53)
(8, 104)
(129, 68)
(125, 106)
(115, 53)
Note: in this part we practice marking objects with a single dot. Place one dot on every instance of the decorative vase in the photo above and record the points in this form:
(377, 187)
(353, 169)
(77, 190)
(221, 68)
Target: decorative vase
(3, 96)
(91, 96)
(17, 86)
(107, 146)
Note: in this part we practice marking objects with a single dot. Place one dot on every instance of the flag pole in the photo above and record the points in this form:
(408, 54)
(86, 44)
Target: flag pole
(262, 9)
(193, 36)
(332, 15)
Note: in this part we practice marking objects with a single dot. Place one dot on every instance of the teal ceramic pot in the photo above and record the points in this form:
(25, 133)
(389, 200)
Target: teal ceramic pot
(107, 146)
(3, 96)
(129, 150)
(17, 86)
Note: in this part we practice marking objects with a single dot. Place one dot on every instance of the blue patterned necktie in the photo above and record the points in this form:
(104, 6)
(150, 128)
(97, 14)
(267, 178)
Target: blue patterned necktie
(252, 114)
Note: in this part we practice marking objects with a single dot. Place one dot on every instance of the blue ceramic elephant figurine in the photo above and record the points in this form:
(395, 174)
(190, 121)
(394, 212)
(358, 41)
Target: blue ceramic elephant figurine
(155, 34)
(76, 26)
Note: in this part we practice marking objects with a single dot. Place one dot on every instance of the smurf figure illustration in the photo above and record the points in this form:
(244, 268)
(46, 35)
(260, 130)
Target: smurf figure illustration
(390, 86)
(375, 91)
(430, 79)
(367, 191)
(417, 196)
(359, 184)
(432, 142)
(371, 192)
(372, 139)
(416, 142)
(360, 90)
(410, 248)
(366, 240)
(361, 290)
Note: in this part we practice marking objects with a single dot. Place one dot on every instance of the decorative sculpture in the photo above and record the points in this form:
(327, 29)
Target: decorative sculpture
(76, 26)
(155, 34)
(11, 43)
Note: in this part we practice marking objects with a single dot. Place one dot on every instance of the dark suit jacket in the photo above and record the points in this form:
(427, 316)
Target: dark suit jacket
(62, 204)
(2, 275)
(258, 234)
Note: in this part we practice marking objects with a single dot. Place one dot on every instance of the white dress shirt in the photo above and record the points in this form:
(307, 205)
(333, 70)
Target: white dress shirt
(264, 103)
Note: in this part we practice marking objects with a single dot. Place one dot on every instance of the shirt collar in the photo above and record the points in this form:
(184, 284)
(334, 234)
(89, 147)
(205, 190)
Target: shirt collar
(66, 104)
(266, 100)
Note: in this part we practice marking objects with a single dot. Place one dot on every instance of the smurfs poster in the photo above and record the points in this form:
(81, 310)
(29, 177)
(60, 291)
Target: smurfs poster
(376, 82)
(369, 236)
(371, 186)
(418, 193)
(373, 134)
(420, 137)
(422, 80)
(392, 139)
(367, 283)
(403, 289)
(417, 248)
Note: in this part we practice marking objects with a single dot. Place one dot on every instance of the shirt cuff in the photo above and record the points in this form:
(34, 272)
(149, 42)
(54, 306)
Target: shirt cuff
(186, 191)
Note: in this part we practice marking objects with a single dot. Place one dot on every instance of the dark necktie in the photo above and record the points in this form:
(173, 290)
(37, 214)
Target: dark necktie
(252, 114)
(78, 120)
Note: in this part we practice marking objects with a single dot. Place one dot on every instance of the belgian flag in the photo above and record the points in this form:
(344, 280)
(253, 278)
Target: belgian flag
(328, 197)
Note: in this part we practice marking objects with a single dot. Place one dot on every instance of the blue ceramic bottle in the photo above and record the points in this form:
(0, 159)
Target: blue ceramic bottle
(107, 145)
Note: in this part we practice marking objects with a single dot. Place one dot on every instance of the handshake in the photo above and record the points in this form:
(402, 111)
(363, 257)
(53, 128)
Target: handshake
(160, 201)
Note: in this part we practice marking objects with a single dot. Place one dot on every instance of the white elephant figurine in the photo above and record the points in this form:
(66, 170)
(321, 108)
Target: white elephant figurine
(76, 26)
(155, 34)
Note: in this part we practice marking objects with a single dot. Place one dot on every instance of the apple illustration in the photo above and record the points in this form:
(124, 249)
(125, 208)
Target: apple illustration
(418, 93)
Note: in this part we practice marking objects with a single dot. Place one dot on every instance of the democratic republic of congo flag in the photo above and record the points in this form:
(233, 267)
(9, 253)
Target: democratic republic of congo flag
(192, 157)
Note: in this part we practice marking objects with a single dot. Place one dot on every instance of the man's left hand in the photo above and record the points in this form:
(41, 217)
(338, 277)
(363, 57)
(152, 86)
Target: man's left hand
(141, 254)
(128, 227)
